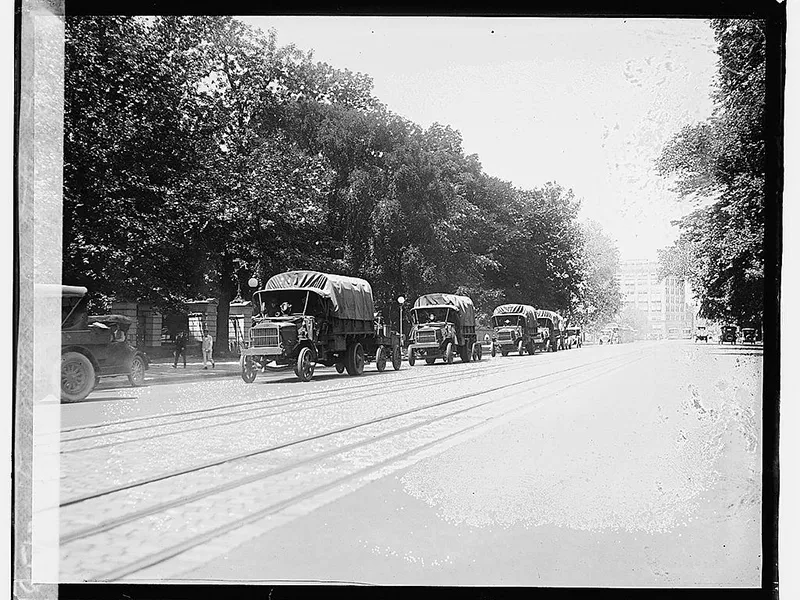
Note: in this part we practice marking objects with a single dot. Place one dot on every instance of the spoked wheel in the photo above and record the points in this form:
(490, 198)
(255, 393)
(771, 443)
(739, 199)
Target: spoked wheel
(136, 376)
(397, 358)
(77, 377)
(520, 348)
(380, 358)
(477, 351)
(339, 367)
(448, 353)
(304, 367)
(411, 358)
(249, 370)
(354, 361)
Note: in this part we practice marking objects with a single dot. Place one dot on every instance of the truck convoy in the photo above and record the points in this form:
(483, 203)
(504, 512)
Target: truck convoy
(304, 318)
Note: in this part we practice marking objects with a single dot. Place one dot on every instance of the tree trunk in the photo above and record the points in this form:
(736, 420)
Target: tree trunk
(226, 288)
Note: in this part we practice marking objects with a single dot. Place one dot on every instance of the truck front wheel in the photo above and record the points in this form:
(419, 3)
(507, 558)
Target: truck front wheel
(304, 368)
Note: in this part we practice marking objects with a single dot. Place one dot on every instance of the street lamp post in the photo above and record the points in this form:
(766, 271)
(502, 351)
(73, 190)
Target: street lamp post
(401, 300)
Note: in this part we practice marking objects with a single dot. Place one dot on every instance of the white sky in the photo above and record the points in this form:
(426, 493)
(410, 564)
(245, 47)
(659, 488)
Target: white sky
(587, 103)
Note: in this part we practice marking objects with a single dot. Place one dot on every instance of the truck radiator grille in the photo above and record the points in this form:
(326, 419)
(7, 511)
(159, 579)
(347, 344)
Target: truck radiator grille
(425, 337)
(266, 337)
(505, 336)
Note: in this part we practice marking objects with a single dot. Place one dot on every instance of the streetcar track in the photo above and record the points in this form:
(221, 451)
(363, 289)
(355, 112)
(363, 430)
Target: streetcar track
(214, 463)
(302, 399)
(344, 388)
(199, 539)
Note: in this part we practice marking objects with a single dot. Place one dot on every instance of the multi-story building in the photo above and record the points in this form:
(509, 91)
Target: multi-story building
(664, 301)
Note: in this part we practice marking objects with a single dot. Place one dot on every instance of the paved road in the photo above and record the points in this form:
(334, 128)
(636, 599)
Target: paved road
(636, 464)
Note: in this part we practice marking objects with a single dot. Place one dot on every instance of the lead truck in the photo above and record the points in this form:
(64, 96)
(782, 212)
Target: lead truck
(305, 318)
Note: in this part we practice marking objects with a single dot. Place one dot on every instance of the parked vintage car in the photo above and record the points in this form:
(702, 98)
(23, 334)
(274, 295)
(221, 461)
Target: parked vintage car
(305, 318)
(728, 334)
(443, 325)
(701, 334)
(749, 335)
(550, 331)
(94, 347)
(514, 329)
(574, 337)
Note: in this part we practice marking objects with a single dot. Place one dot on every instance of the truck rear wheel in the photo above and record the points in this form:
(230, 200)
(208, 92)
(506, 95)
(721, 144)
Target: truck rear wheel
(77, 377)
(380, 359)
(465, 352)
(397, 358)
(354, 360)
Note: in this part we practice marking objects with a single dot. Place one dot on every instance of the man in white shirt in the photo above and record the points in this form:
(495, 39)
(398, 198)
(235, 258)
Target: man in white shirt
(208, 349)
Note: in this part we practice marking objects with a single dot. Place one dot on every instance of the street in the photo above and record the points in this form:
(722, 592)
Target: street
(626, 465)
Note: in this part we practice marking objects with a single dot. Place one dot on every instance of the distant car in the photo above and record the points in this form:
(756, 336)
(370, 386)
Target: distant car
(94, 347)
(701, 334)
(749, 335)
(727, 334)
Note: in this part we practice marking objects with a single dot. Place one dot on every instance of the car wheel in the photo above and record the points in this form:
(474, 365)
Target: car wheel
(77, 377)
(354, 361)
(380, 359)
(479, 350)
(494, 351)
(249, 370)
(136, 376)
(411, 358)
(397, 358)
(304, 368)
(339, 367)
(448, 353)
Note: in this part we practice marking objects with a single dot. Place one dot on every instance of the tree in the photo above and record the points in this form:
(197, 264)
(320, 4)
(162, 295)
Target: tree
(124, 164)
(599, 298)
(722, 162)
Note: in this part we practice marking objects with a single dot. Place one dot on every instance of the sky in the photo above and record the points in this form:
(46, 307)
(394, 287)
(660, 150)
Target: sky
(587, 103)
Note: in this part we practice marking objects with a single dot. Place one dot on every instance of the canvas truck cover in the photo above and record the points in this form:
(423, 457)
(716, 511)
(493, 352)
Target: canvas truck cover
(466, 310)
(517, 309)
(558, 322)
(351, 297)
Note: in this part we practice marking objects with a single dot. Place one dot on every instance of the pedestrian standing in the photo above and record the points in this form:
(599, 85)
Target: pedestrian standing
(208, 350)
(180, 349)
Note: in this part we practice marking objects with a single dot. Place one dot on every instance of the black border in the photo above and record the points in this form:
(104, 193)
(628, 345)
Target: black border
(770, 10)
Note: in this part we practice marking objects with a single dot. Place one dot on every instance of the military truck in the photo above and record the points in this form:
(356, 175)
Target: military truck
(305, 318)
(550, 334)
(93, 347)
(443, 326)
(514, 329)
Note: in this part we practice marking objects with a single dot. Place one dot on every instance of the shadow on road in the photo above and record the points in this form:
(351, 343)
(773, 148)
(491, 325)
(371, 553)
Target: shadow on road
(106, 399)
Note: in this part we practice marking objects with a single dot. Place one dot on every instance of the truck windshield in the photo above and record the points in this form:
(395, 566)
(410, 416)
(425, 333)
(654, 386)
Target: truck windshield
(431, 314)
(508, 320)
